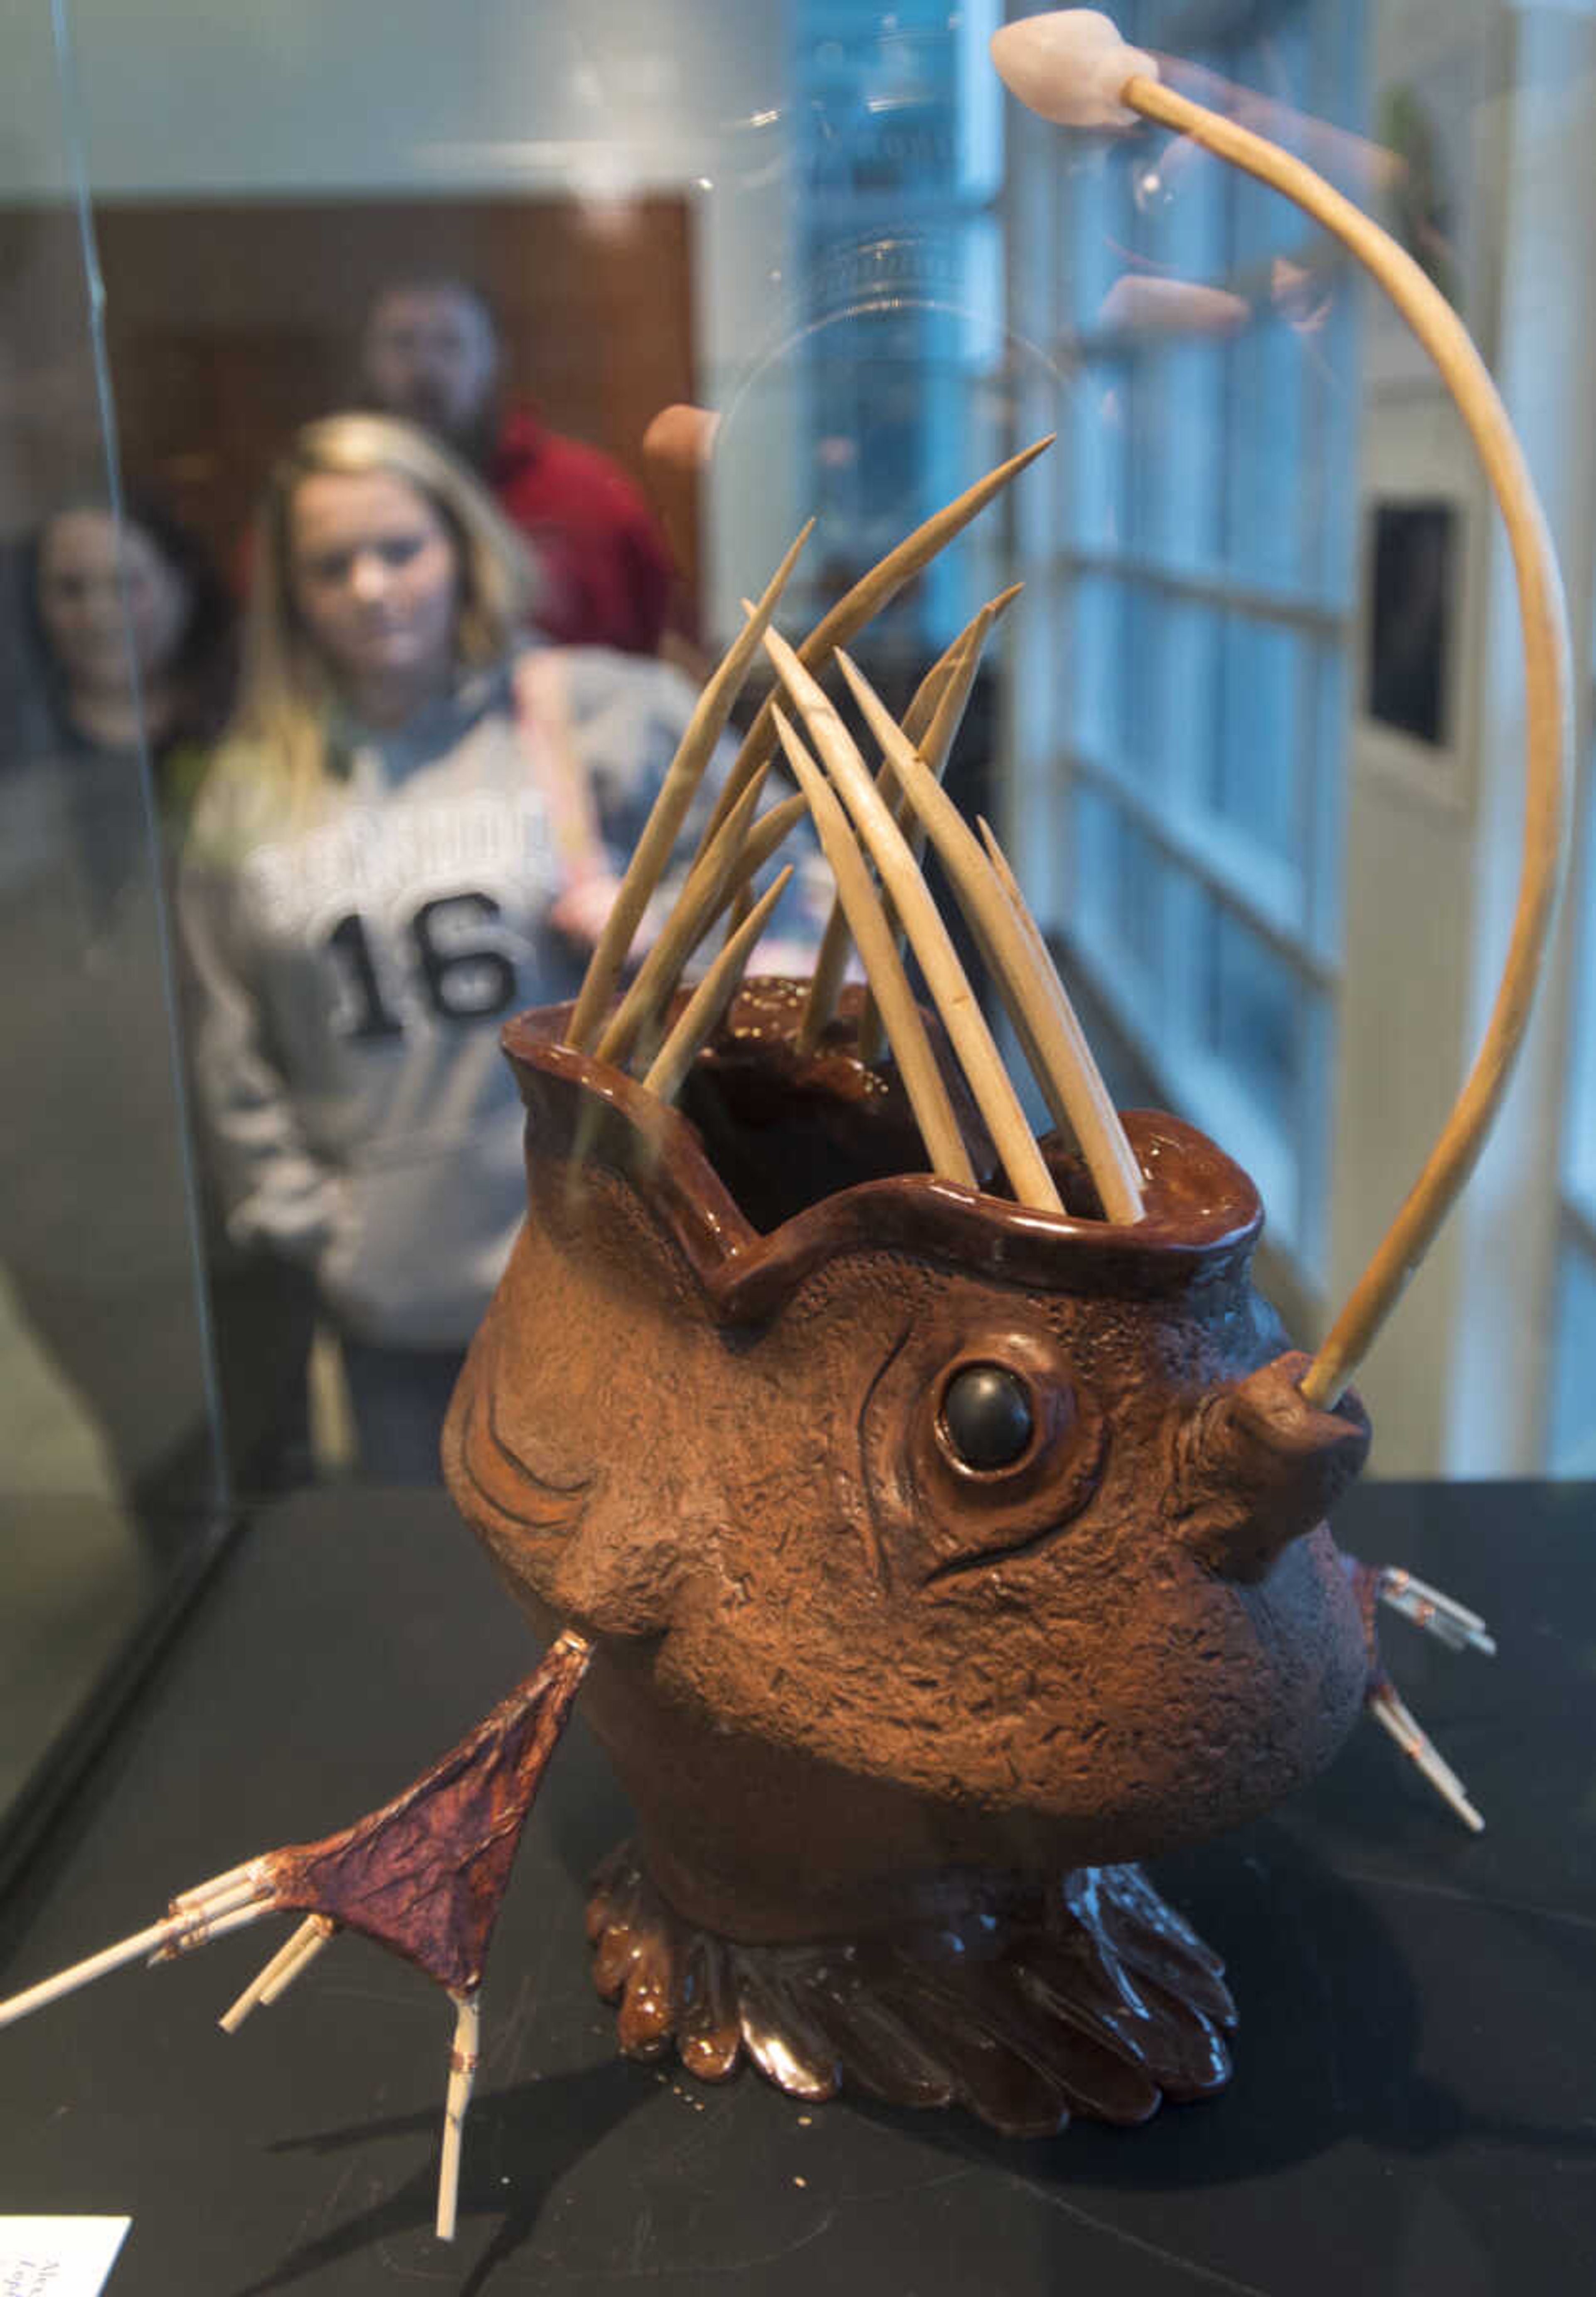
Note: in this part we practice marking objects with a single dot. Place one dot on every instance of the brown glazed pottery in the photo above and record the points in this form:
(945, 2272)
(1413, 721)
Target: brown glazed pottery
(942, 1558)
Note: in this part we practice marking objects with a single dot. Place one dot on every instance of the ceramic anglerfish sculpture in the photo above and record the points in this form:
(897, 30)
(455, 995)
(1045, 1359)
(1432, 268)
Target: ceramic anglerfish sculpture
(934, 1519)
(939, 1556)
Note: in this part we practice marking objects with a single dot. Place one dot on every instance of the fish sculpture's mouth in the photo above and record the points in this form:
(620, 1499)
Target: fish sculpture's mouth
(775, 1161)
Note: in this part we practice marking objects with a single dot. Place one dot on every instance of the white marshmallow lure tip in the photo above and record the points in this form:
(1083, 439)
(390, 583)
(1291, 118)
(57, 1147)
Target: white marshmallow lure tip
(1070, 67)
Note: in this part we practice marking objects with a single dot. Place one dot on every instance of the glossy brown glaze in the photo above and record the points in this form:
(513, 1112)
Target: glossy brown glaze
(1029, 2005)
(827, 1151)
(708, 1421)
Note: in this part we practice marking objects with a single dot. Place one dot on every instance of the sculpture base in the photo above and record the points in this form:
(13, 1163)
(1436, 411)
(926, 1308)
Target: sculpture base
(1089, 1997)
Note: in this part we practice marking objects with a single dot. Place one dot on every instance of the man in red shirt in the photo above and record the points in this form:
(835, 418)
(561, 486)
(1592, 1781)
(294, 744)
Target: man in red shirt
(431, 352)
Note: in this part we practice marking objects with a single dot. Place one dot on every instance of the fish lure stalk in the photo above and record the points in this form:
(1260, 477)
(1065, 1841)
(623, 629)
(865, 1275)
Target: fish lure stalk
(1074, 68)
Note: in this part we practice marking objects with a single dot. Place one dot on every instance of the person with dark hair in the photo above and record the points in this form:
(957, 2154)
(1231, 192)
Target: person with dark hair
(432, 352)
(131, 631)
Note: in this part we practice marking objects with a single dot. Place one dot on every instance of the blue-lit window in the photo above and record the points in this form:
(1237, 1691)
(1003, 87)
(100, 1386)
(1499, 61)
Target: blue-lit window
(1573, 1445)
(1196, 588)
(898, 316)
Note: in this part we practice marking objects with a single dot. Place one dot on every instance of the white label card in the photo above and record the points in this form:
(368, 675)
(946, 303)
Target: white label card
(58, 2257)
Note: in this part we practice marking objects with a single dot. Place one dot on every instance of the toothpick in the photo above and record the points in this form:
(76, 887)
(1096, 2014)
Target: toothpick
(994, 1095)
(669, 810)
(312, 1938)
(209, 1900)
(831, 958)
(251, 1870)
(199, 1932)
(954, 668)
(289, 1961)
(1450, 1622)
(706, 1007)
(855, 608)
(934, 746)
(1392, 1716)
(697, 905)
(193, 1923)
(462, 2076)
(934, 741)
(911, 1047)
(254, 1993)
(953, 665)
(1084, 1100)
(768, 832)
(84, 1973)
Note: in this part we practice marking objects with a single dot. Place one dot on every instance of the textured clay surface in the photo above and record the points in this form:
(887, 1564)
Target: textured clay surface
(707, 1421)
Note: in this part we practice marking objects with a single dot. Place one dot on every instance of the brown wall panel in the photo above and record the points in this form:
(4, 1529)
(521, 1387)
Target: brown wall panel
(230, 323)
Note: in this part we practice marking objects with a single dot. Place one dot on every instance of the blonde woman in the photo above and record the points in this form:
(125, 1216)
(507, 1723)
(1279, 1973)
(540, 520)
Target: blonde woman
(413, 831)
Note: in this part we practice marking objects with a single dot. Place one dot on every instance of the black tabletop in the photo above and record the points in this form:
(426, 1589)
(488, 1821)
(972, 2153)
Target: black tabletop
(1414, 2103)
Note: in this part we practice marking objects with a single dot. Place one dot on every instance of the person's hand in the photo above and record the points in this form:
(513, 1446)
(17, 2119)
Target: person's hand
(581, 911)
(677, 449)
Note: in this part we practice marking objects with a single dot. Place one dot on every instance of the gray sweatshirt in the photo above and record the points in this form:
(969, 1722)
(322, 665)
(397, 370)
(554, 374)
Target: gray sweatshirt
(351, 972)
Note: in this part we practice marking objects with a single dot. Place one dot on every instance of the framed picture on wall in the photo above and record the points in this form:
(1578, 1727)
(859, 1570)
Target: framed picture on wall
(1413, 577)
(1412, 690)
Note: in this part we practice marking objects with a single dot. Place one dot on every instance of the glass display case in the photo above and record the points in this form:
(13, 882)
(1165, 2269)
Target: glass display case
(654, 283)
(112, 1487)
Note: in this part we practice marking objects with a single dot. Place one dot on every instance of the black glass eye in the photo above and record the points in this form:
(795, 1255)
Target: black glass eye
(986, 1416)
